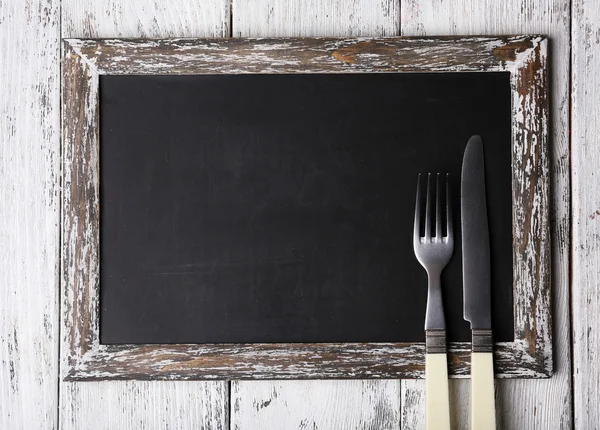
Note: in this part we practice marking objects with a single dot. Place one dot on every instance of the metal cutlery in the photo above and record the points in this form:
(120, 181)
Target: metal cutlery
(434, 253)
(477, 284)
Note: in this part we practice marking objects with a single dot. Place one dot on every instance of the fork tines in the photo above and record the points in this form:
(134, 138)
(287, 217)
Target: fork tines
(427, 235)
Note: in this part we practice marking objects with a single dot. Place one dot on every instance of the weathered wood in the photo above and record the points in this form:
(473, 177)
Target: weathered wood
(413, 404)
(118, 18)
(304, 55)
(80, 142)
(586, 212)
(315, 405)
(524, 56)
(134, 404)
(29, 213)
(520, 404)
(144, 405)
(296, 18)
(284, 361)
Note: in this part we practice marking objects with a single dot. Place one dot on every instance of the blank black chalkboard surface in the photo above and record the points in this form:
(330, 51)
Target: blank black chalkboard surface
(243, 208)
(279, 208)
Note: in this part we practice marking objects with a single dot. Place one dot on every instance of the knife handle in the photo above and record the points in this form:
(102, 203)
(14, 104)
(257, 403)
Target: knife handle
(483, 403)
(436, 381)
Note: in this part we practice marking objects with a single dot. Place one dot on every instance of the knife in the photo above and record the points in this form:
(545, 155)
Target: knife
(477, 284)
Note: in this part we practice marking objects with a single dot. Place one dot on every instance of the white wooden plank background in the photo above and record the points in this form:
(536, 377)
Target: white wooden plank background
(142, 18)
(289, 18)
(30, 394)
(586, 211)
(133, 404)
(315, 405)
(29, 217)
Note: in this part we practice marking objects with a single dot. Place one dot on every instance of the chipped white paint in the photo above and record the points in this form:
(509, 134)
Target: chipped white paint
(284, 361)
(521, 404)
(144, 405)
(145, 19)
(29, 213)
(81, 276)
(203, 56)
(134, 404)
(284, 18)
(529, 138)
(586, 212)
(528, 355)
(312, 405)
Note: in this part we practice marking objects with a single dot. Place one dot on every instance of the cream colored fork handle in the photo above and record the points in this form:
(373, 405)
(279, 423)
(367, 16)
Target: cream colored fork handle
(436, 384)
(483, 404)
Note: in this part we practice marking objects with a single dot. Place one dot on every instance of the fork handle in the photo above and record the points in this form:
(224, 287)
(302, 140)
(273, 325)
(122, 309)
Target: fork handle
(436, 381)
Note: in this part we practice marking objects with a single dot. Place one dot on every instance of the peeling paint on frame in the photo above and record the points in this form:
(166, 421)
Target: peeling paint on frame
(525, 57)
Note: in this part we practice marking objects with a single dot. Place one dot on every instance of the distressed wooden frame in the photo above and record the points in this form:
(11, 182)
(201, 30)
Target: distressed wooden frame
(525, 57)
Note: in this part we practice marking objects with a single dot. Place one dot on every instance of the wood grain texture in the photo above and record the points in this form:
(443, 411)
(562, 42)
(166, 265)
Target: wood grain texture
(282, 361)
(356, 405)
(29, 213)
(148, 405)
(586, 212)
(283, 18)
(413, 410)
(145, 19)
(145, 405)
(520, 404)
(305, 55)
(525, 57)
(80, 142)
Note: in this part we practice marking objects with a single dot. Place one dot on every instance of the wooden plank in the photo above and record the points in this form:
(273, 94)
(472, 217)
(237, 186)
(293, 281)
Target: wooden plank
(144, 405)
(315, 405)
(278, 18)
(283, 18)
(120, 18)
(308, 55)
(413, 404)
(586, 211)
(525, 403)
(136, 404)
(29, 213)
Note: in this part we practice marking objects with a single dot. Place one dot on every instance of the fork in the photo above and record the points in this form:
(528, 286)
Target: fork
(434, 253)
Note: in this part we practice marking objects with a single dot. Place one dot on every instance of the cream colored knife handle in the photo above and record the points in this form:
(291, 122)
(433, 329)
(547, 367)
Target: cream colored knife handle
(483, 404)
(436, 384)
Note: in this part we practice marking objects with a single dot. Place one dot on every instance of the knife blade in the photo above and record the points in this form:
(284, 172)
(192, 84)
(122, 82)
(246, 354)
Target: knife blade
(475, 238)
(477, 284)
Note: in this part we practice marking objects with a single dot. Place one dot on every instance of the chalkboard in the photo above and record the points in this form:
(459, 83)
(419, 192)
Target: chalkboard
(279, 208)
